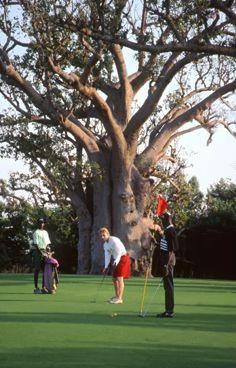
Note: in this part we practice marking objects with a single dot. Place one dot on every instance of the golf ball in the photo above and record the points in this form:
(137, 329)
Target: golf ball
(114, 314)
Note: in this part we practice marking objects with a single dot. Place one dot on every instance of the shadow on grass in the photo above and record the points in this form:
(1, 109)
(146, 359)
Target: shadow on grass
(118, 355)
(211, 288)
(13, 283)
(194, 288)
(224, 306)
(196, 322)
(193, 285)
(4, 293)
(19, 300)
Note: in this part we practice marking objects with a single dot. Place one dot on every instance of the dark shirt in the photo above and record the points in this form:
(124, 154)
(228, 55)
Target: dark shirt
(171, 239)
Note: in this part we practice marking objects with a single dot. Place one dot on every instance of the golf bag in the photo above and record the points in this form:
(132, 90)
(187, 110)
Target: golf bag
(50, 274)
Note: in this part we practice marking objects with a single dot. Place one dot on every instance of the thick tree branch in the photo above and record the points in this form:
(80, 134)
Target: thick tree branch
(169, 47)
(13, 77)
(225, 7)
(144, 75)
(91, 63)
(150, 103)
(182, 106)
(155, 150)
(126, 90)
(106, 115)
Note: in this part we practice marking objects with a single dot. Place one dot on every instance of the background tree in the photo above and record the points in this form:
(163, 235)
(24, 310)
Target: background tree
(18, 220)
(221, 205)
(185, 200)
(207, 243)
(74, 88)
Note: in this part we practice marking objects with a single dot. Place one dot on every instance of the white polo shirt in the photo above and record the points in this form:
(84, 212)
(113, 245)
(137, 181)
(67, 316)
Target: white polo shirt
(115, 248)
(41, 238)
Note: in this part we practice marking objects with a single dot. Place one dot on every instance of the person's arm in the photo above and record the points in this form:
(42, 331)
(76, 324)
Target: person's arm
(47, 239)
(170, 257)
(170, 241)
(107, 258)
(117, 260)
(35, 239)
(119, 250)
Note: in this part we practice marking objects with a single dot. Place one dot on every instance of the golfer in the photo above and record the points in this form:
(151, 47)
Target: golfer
(40, 242)
(113, 247)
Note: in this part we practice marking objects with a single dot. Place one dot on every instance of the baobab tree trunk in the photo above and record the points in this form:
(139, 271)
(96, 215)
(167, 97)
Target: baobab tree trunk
(84, 243)
(84, 230)
(120, 208)
(119, 201)
(101, 218)
(129, 200)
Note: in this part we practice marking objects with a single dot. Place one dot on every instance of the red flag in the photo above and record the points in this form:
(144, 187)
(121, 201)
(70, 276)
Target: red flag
(161, 205)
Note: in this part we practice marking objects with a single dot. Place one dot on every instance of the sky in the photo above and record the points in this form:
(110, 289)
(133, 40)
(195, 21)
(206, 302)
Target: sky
(213, 162)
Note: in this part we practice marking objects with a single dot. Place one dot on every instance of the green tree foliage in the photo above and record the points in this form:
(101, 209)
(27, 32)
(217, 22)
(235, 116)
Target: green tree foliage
(186, 203)
(208, 243)
(14, 235)
(206, 227)
(62, 228)
(221, 205)
(17, 223)
(185, 200)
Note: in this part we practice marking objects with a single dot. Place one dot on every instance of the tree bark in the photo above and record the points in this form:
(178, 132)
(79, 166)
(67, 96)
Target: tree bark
(83, 246)
(129, 199)
(101, 218)
(84, 232)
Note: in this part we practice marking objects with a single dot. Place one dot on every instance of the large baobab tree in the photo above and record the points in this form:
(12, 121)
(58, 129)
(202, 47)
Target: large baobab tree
(106, 86)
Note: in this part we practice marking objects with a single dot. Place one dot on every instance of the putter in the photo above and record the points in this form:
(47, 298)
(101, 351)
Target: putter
(94, 300)
(151, 300)
(144, 292)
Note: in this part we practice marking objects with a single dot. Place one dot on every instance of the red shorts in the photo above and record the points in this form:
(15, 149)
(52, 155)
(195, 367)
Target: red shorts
(123, 268)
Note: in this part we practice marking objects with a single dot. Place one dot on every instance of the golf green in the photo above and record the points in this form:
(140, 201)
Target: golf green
(69, 330)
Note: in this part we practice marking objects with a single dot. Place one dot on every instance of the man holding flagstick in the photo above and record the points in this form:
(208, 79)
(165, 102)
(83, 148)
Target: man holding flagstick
(168, 247)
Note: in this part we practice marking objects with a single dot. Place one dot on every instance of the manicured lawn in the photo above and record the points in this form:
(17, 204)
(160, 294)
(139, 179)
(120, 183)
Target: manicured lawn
(67, 330)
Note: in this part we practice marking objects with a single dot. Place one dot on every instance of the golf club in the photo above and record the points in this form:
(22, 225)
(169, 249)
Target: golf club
(151, 300)
(94, 300)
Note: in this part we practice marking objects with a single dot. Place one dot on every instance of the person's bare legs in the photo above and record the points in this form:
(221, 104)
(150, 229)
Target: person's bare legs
(116, 287)
(119, 287)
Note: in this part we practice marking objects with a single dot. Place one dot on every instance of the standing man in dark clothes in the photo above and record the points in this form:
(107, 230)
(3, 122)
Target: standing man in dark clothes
(40, 242)
(168, 247)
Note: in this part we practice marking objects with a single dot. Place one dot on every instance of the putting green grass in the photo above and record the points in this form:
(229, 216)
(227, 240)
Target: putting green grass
(68, 330)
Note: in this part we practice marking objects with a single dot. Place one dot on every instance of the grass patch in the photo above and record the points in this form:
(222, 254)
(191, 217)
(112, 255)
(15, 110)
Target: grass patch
(67, 330)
